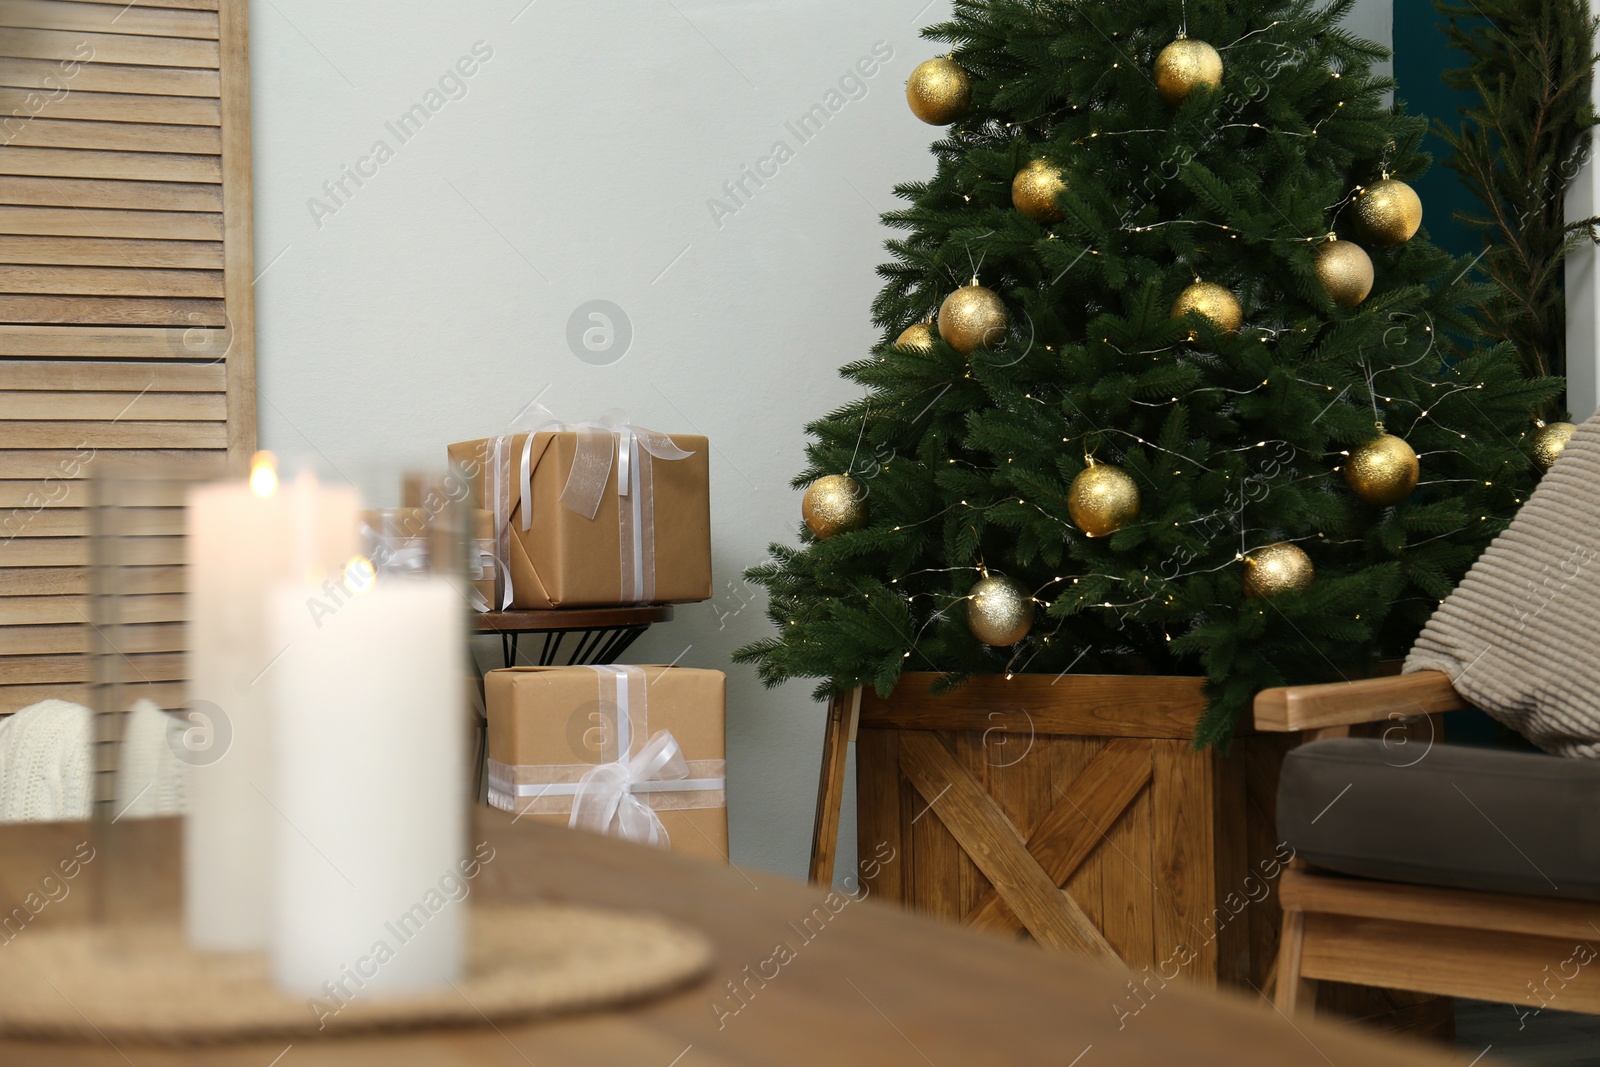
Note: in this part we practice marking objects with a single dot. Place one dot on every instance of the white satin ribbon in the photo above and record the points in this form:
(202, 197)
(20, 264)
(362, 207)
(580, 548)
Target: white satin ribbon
(600, 442)
(391, 546)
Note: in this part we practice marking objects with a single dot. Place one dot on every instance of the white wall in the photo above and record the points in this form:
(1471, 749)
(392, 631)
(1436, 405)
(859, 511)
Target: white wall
(1583, 300)
(431, 302)
(1374, 20)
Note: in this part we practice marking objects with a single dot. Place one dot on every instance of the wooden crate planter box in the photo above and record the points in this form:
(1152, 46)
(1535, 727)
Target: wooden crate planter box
(1073, 810)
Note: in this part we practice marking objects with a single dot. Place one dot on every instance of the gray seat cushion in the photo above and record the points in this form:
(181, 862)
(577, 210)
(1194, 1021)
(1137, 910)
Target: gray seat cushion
(1466, 818)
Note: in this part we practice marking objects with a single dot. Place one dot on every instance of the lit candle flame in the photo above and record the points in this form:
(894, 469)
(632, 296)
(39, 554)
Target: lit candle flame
(359, 574)
(263, 474)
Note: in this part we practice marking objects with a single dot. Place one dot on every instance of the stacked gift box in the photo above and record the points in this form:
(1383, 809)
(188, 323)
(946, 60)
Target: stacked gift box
(600, 514)
(635, 751)
(594, 516)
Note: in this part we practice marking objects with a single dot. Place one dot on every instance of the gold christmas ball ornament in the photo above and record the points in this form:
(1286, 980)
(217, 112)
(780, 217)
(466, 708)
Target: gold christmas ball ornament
(1035, 188)
(1345, 270)
(1279, 568)
(1212, 302)
(1549, 441)
(918, 337)
(1383, 471)
(1184, 66)
(1389, 211)
(939, 91)
(972, 317)
(834, 504)
(999, 611)
(1102, 499)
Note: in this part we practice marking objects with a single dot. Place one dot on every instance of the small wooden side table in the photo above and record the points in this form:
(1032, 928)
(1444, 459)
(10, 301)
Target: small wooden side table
(604, 633)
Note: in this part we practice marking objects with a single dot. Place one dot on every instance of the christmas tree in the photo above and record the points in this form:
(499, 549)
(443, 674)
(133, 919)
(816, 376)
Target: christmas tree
(1170, 381)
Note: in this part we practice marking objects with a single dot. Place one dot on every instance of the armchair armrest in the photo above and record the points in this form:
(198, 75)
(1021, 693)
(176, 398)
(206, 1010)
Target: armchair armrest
(1313, 707)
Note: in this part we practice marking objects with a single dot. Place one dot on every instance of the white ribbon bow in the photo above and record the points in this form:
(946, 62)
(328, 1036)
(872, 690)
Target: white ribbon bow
(605, 802)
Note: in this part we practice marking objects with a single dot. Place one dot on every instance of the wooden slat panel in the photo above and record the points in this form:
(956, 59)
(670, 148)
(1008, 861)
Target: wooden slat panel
(74, 581)
(146, 5)
(73, 461)
(105, 193)
(77, 522)
(165, 694)
(1183, 856)
(112, 377)
(104, 77)
(112, 311)
(1263, 762)
(148, 667)
(110, 281)
(1237, 874)
(114, 252)
(878, 819)
(1481, 964)
(116, 136)
(970, 880)
(239, 223)
(934, 854)
(1127, 897)
(15, 610)
(63, 492)
(1073, 704)
(1069, 757)
(117, 48)
(133, 166)
(119, 241)
(74, 552)
(112, 107)
(109, 18)
(16, 697)
(85, 222)
(79, 639)
(141, 435)
(1018, 776)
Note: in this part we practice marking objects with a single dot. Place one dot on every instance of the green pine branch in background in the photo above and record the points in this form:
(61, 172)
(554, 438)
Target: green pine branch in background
(1530, 64)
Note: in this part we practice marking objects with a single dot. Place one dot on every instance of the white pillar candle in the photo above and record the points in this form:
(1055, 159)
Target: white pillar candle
(239, 546)
(369, 776)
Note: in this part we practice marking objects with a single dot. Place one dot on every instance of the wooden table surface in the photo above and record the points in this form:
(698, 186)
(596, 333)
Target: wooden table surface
(865, 984)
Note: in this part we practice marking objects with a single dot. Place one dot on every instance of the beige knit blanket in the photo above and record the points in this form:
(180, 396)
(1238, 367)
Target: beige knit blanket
(1520, 637)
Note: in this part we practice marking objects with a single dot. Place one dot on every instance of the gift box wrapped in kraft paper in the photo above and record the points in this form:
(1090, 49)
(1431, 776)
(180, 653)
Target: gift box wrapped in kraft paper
(594, 515)
(396, 541)
(631, 751)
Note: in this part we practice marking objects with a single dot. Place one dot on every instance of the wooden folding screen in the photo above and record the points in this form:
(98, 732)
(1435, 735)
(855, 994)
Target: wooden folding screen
(126, 310)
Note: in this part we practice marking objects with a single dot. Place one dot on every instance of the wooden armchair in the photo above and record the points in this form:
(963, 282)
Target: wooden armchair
(1457, 936)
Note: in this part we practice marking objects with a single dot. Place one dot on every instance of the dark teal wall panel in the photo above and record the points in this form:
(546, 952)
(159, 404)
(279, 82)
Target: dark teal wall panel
(1421, 54)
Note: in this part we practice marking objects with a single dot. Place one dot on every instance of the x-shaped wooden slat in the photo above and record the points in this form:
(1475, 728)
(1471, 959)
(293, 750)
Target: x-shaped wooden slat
(1026, 876)
(978, 824)
(1065, 837)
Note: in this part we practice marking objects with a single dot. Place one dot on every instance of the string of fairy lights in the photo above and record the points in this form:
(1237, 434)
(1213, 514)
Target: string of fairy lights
(1102, 498)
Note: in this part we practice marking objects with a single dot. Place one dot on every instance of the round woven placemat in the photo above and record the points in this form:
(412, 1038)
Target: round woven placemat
(143, 984)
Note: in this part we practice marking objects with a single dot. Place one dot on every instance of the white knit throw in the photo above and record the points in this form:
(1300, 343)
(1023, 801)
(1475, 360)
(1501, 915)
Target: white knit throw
(1520, 636)
(44, 763)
